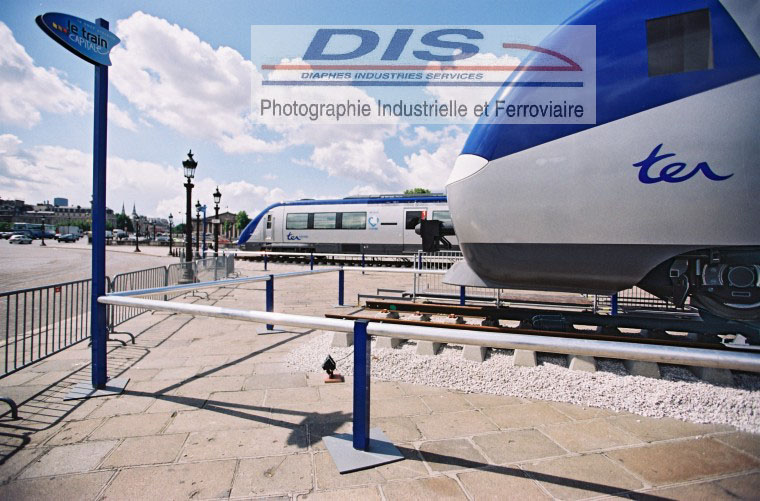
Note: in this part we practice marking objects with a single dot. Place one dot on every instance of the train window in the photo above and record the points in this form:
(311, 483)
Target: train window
(354, 220)
(325, 220)
(297, 221)
(413, 218)
(269, 221)
(679, 43)
(442, 215)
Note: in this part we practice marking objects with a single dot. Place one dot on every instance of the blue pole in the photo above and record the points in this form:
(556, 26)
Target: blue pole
(340, 287)
(462, 295)
(614, 304)
(97, 310)
(266, 259)
(362, 362)
(270, 298)
(311, 261)
(362, 263)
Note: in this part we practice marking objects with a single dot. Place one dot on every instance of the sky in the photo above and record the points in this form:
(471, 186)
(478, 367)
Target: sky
(181, 79)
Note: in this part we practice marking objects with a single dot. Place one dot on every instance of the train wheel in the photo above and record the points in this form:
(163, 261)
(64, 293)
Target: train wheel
(751, 313)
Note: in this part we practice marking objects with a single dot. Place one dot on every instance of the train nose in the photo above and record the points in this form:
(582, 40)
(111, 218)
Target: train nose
(465, 166)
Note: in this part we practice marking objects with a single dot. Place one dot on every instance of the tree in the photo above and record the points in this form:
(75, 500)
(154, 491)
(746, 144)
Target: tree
(417, 191)
(122, 220)
(241, 220)
(179, 229)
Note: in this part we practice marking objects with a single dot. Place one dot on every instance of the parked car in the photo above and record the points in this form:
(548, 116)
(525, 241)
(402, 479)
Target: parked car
(162, 239)
(6, 234)
(68, 237)
(20, 239)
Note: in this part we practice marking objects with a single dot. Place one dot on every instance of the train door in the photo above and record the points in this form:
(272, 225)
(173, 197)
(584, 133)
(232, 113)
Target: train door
(269, 228)
(412, 217)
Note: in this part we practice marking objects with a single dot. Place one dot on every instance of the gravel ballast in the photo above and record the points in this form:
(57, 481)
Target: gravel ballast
(679, 394)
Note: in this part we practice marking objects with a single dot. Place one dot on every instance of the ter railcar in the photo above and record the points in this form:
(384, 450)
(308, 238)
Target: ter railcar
(383, 224)
(661, 192)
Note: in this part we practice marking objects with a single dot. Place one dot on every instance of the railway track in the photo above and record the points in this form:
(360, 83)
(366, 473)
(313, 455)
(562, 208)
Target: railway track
(682, 330)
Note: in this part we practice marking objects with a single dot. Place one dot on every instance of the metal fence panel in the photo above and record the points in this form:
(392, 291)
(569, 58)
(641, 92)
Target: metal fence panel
(141, 279)
(41, 321)
(636, 299)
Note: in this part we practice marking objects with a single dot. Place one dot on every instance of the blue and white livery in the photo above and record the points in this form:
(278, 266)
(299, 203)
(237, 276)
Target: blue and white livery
(383, 224)
(662, 192)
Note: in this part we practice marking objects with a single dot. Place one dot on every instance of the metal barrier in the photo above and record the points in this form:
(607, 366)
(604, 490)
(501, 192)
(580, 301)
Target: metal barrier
(141, 279)
(360, 439)
(636, 299)
(433, 283)
(41, 321)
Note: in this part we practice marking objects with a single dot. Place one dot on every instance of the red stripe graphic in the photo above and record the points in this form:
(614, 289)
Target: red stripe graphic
(572, 65)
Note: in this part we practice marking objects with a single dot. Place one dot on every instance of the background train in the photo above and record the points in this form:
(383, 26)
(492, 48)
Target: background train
(661, 192)
(383, 224)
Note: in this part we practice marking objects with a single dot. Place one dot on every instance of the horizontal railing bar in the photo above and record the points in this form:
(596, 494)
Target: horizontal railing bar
(372, 269)
(41, 287)
(217, 283)
(720, 359)
(319, 254)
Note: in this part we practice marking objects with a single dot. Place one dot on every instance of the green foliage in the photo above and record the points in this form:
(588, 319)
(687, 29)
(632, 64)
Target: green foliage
(241, 220)
(417, 191)
(178, 229)
(123, 220)
(6, 226)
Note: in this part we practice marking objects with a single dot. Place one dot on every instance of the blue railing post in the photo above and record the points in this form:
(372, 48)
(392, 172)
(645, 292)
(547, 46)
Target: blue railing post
(363, 263)
(340, 286)
(311, 261)
(266, 260)
(614, 304)
(462, 295)
(270, 298)
(362, 362)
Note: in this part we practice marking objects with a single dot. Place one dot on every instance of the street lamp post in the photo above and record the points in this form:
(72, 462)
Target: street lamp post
(137, 230)
(171, 220)
(198, 229)
(43, 232)
(217, 199)
(154, 231)
(189, 166)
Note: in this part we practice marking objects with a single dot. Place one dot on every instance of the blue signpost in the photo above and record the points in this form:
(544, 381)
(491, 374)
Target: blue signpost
(93, 43)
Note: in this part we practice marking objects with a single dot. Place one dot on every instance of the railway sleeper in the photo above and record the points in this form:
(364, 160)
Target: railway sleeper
(529, 358)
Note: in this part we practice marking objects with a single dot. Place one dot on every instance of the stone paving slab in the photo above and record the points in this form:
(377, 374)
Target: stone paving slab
(212, 411)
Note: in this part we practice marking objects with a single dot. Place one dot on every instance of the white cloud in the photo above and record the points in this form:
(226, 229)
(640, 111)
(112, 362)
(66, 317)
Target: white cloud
(180, 81)
(426, 135)
(42, 172)
(120, 117)
(27, 90)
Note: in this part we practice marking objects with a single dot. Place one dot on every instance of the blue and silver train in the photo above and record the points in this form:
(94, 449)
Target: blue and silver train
(382, 224)
(663, 191)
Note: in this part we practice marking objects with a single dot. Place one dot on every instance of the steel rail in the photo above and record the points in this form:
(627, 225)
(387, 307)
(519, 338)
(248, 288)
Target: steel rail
(610, 349)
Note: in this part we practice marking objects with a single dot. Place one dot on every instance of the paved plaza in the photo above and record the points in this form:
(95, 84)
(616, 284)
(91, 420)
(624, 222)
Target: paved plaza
(212, 411)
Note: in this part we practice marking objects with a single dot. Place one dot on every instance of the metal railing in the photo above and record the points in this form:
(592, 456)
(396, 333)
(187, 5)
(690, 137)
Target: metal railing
(41, 321)
(141, 279)
(636, 299)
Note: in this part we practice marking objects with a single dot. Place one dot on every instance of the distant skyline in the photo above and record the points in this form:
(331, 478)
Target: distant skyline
(181, 79)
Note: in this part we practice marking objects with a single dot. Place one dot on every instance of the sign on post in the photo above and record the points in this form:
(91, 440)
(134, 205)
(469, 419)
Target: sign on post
(93, 43)
(79, 36)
